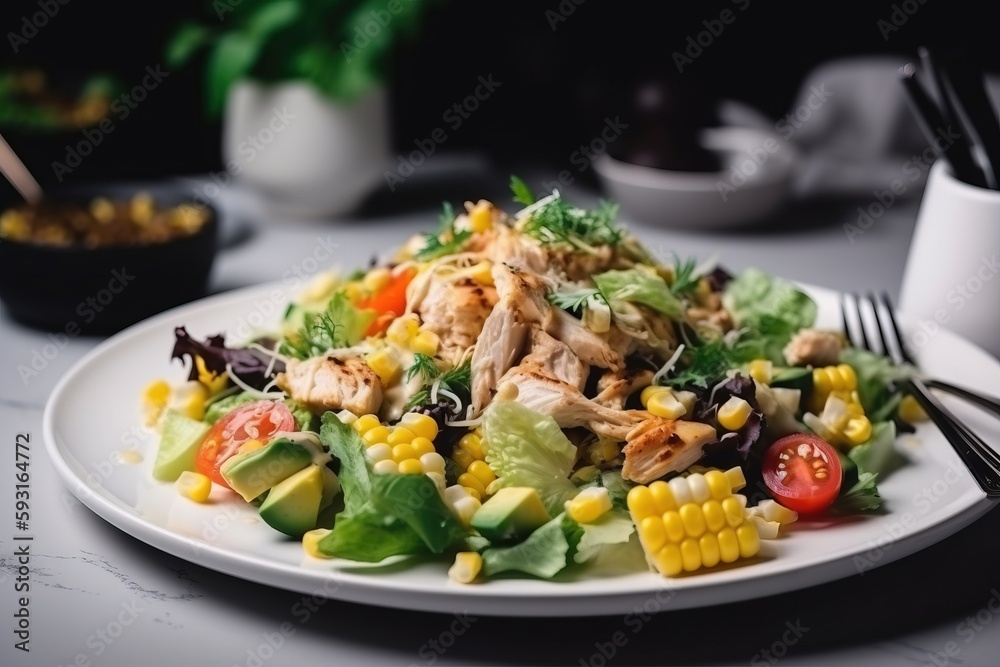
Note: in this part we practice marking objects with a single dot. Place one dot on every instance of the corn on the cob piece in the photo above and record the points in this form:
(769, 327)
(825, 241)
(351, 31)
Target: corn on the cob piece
(693, 522)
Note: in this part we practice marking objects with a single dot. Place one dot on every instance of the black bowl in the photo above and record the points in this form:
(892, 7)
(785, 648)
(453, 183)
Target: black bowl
(80, 290)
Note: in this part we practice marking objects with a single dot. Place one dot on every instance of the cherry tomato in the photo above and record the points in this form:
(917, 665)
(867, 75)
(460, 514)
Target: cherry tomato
(259, 420)
(389, 303)
(802, 472)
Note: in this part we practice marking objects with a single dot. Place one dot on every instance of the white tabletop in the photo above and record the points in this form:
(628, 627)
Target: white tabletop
(100, 597)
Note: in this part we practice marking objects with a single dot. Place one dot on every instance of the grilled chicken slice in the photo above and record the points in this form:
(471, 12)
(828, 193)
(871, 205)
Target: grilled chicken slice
(332, 383)
(592, 348)
(456, 310)
(508, 247)
(507, 329)
(660, 446)
(615, 387)
(567, 404)
(557, 359)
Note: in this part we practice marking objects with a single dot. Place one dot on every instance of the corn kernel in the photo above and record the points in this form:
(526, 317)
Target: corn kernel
(718, 484)
(858, 430)
(699, 487)
(693, 519)
(736, 478)
(420, 425)
(432, 462)
(669, 561)
(665, 404)
(155, 397)
(386, 364)
(748, 539)
(774, 511)
(385, 467)
(761, 370)
(766, 530)
(708, 546)
(462, 458)
(680, 490)
(481, 217)
(400, 435)
(641, 502)
(194, 485)
(403, 452)
(687, 399)
(470, 481)
(690, 555)
(377, 279)
(438, 479)
(911, 411)
(481, 471)
(379, 452)
(473, 444)
(426, 342)
(251, 445)
(482, 273)
(589, 505)
(733, 510)
(464, 507)
(373, 436)
(734, 413)
(347, 417)
(411, 467)
(466, 567)
(673, 525)
(365, 423)
(651, 391)
(664, 497)
(715, 517)
(473, 493)
(729, 545)
(422, 446)
(311, 540)
(652, 532)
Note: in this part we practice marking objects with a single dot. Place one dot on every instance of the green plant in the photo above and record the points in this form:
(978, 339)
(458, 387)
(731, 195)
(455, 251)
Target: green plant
(339, 46)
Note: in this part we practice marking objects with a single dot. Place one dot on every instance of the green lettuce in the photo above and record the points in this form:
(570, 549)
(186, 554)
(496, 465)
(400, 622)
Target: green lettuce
(344, 443)
(772, 309)
(641, 287)
(615, 527)
(878, 456)
(875, 375)
(544, 553)
(529, 449)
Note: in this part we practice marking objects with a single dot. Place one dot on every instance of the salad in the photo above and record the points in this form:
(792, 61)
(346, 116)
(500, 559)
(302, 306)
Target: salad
(529, 392)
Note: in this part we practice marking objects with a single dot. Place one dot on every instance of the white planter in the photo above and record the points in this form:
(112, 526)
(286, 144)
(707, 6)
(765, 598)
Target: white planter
(308, 155)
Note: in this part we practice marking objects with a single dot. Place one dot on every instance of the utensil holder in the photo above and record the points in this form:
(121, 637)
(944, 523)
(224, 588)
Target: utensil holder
(952, 274)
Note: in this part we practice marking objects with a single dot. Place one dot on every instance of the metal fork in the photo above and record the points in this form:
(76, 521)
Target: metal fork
(979, 458)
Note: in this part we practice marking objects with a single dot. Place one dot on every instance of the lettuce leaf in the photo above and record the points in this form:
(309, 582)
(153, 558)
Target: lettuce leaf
(543, 554)
(415, 501)
(371, 537)
(878, 456)
(875, 375)
(529, 449)
(346, 445)
(247, 364)
(641, 287)
(771, 308)
(615, 527)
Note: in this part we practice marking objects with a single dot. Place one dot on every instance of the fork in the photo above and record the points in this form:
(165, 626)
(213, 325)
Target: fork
(983, 463)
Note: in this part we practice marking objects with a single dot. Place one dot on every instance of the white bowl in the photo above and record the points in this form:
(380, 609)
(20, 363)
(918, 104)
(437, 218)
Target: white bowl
(754, 183)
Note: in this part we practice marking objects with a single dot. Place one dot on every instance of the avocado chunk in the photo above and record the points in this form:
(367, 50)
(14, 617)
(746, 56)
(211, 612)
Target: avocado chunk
(292, 506)
(511, 514)
(179, 443)
(254, 472)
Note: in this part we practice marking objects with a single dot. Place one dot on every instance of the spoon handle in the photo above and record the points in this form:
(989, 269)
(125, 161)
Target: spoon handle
(18, 174)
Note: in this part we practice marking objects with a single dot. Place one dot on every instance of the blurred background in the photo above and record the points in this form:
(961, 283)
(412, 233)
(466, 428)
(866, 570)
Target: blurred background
(565, 66)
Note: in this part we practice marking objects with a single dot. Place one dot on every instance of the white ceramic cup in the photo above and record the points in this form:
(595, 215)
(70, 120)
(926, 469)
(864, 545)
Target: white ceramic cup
(952, 275)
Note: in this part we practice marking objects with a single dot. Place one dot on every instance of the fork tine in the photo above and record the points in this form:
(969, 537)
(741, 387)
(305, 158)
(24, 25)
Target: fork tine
(845, 322)
(861, 322)
(886, 350)
(903, 353)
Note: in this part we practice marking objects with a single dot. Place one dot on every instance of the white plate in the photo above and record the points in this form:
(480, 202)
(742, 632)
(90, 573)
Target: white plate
(94, 412)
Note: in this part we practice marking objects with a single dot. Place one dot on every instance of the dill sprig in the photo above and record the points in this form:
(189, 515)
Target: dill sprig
(457, 380)
(424, 366)
(447, 240)
(558, 221)
(318, 334)
(574, 300)
(685, 276)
